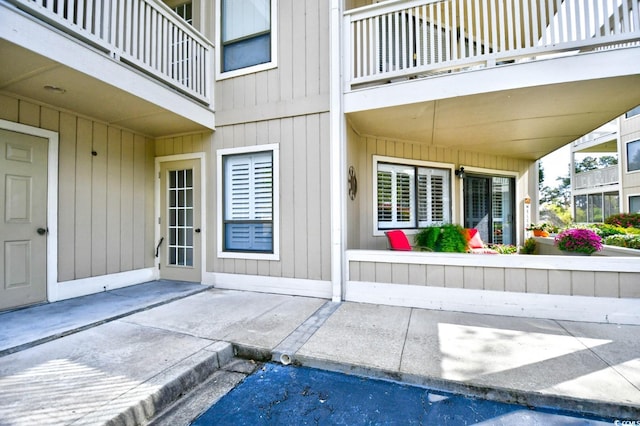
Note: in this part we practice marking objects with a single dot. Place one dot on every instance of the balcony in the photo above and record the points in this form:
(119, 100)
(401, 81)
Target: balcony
(151, 70)
(514, 78)
(596, 178)
(400, 39)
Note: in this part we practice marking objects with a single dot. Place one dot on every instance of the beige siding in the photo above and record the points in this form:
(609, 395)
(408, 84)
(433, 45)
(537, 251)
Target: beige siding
(509, 279)
(360, 152)
(105, 202)
(304, 196)
(629, 132)
(300, 83)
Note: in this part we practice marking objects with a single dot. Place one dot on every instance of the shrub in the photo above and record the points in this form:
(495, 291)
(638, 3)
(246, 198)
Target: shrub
(627, 241)
(626, 220)
(578, 240)
(529, 246)
(427, 238)
(444, 238)
(604, 229)
(504, 248)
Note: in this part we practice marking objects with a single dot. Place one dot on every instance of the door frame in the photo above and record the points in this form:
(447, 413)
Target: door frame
(52, 199)
(516, 188)
(203, 211)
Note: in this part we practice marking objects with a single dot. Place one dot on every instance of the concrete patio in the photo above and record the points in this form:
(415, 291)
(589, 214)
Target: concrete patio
(123, 359)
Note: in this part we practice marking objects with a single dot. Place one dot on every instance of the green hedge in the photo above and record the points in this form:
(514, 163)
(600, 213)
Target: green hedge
(626, 220)
(627, 241)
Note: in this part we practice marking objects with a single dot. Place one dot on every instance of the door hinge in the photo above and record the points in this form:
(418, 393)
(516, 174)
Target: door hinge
(159, 221)
(159, 175)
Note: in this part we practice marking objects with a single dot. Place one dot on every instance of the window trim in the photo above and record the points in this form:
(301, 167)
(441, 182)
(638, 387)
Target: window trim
(406, 162)
(633, 112)
(629, 196)
(626, 156)
(220, 154)
(221, 75)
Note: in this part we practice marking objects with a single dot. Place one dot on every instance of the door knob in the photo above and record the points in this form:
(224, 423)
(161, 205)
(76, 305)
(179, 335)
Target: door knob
(197, 230)
(42, 231)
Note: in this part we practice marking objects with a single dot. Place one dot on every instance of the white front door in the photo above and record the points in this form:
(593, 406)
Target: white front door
(23, 228)
(180, 226)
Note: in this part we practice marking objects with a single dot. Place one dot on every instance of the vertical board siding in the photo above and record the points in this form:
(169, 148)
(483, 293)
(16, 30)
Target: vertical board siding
(99, 201)
(302, 65)
(105, 202)
(304, 195)
(66, 195)
(507, 279)
(361, 150)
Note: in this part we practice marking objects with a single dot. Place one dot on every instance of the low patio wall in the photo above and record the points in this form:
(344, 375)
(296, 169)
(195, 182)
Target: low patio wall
(602, 289)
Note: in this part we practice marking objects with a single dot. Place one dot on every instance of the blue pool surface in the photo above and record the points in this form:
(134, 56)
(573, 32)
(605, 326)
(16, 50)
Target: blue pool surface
(287, 395)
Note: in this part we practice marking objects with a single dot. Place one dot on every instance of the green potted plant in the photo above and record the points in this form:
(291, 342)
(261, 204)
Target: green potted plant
(539, 229)
(578, 241)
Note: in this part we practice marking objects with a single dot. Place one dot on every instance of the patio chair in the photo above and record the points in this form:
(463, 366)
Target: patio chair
(476, 245)
(398, 241)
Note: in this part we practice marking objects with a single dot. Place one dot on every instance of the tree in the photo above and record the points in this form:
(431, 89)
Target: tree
(559, 195)
(591, 163)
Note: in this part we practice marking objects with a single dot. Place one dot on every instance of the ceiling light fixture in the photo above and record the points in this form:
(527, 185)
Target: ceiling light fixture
(54, 89)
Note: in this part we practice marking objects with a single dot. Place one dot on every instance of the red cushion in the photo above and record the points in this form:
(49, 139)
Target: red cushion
(398, 240)
(475, 242)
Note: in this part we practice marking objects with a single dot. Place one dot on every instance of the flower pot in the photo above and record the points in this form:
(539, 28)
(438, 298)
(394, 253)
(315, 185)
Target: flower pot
(540, 233)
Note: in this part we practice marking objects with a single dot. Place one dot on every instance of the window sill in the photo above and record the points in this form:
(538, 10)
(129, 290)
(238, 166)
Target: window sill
(248, 256)
(244, 71)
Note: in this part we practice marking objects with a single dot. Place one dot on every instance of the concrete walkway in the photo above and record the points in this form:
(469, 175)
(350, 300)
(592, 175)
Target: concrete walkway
(88, 361)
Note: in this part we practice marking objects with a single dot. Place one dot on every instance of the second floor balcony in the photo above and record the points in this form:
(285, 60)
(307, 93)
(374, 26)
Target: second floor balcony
(134, 63)
(411, 39)
(517, 78)
(596, 178)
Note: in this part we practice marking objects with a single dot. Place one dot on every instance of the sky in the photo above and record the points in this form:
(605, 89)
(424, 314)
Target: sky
(556, 165)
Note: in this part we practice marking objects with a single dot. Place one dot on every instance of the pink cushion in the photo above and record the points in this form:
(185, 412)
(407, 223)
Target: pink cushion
(475, 242)
(398, 240)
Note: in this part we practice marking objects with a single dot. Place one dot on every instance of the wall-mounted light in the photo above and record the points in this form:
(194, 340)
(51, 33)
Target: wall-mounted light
(460, 173)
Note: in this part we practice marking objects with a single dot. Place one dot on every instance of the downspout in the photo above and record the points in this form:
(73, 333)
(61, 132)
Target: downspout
(337, 156)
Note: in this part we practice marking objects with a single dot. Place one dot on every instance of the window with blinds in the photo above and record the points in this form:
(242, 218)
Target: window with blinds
(246, 33)
(248, 202)
(411, 196)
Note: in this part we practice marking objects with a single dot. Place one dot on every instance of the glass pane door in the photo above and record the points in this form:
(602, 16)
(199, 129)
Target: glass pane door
(489, 207)
(180, 224)
(502, 210)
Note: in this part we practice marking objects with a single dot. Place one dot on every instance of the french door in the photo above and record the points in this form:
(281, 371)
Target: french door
(180, 221)
(489, 206)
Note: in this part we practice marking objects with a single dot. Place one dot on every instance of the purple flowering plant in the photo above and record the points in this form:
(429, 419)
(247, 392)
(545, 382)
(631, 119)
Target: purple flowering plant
(578, 240)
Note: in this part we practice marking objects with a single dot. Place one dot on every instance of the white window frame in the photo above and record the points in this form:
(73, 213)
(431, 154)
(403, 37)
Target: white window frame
(626, 155)
(220, 75)
(220, 154)
(411, 163)
(629, 197)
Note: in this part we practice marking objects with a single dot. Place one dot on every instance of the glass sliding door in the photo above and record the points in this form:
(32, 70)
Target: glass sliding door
(489, 206)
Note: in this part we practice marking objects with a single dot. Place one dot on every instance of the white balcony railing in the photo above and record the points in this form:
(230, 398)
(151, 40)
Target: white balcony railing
(405, 39)
(595, 178)
(145, 34)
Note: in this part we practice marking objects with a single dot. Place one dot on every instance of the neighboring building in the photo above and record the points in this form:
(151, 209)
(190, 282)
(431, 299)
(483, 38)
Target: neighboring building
(134, 149)
(600, 193)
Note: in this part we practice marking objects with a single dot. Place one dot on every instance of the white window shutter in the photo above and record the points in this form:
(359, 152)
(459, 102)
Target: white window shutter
(249, 198)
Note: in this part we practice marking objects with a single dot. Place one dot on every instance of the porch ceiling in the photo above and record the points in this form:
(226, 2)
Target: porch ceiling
(526, 123)
(25, 73)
